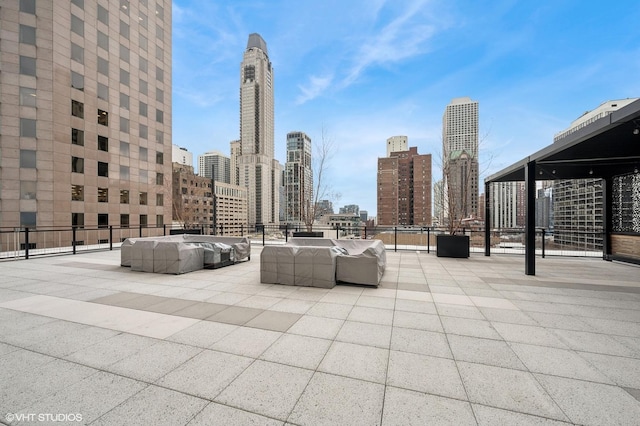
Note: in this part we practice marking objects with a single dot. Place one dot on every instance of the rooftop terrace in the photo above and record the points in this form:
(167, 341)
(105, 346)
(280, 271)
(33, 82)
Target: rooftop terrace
(441, 341)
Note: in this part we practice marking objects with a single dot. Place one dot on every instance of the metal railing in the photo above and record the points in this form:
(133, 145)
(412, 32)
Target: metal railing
(23, 243)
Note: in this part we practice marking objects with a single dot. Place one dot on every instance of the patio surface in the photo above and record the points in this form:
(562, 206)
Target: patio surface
(441, 341)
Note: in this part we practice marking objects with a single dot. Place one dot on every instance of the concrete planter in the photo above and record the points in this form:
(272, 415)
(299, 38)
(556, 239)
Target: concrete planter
(452, 246)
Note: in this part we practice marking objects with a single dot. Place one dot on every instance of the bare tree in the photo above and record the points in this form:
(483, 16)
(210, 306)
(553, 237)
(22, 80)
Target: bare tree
(321, 159)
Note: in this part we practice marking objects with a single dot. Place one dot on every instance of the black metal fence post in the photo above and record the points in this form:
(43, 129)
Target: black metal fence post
(73, 239)
(26, 243)
(164, 229)
(110, 237)
(365, 232)
(263, 232)
(543, 232)
(428, 240)
(337, 232)
(286, 232)
(395, 238)
(140, 231)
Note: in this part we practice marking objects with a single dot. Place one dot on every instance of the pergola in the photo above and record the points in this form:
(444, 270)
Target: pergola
(604, 148)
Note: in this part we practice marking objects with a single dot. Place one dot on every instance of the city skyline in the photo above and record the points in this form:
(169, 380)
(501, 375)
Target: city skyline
(367, 71)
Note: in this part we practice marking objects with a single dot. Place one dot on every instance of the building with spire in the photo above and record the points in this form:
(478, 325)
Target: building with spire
(258, 171)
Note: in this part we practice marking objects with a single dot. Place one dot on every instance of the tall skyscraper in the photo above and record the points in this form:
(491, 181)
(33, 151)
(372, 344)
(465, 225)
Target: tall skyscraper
(181, 155)
(258, 169)
(404, 188)
(85, 114)
(236, 149)
(460, 159)
(216, 163)
(298, 178)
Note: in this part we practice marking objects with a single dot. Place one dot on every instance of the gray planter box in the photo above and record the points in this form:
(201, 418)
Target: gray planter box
(452, 246)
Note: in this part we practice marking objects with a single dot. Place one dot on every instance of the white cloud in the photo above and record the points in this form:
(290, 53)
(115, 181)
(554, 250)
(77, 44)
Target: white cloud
(315, 87)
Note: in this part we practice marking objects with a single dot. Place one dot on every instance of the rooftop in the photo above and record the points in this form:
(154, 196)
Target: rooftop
(441, 341)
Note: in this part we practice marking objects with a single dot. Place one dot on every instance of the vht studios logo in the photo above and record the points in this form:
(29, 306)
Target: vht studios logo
(43, 417)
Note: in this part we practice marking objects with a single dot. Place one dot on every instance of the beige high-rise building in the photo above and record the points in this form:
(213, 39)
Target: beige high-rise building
(397, 144)
(257, 167)
(85, 113)
(460, 159)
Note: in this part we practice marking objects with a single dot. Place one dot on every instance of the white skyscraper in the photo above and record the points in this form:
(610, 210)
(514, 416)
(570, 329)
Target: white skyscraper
(396, 144)
(217, 163)
(257, 167)
(298, 177)
(460, 157)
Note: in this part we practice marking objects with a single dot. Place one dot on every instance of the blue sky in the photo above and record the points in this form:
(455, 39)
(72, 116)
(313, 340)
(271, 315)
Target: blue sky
(365, 70)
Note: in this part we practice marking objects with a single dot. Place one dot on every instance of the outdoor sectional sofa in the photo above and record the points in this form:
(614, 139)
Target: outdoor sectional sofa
(179, 254)
(321, 262)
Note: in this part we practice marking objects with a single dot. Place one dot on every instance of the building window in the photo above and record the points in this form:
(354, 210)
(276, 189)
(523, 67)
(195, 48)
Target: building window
(77, 219)
(159, 12)
(143, 64)
(77, 109)
(124, 149)
(143, 42)
(159, 199)
(124, 220)
(159, 74)
(124, 100)
(159, 157)
(159, 179)
(159, 53)
(124, 7)
(159, 136)
(143, 176)
(159, 116)
(103, 220)
(103, 15)
(103, 117)
(142, 20)
(77, 80)
(77, 25)
(103, 92)
(28, 6)
(103, 143)
(28, 97)
(103, 195)
(143, 132)
(124, 77)
(27, 34)
(144, 154)
(77, 53)
(103, 66)
(124, 172)
(79, 3)
(28, 190)
(77, 193)
(124, 124)
(27, 128)
(77, 137)
(124, 53)
(28, 158)
(27, 219)
(103, 169)
(142, 109)
(103, 40)
(159, 33)
(159, 95)
(77, 165)
(143, 220)
(142, 86)
(124, 29)
(27, 65)
(159, 220)
(143, 198)
(124, 196)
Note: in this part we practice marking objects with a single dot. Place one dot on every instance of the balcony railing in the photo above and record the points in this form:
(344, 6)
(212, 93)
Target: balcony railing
(23, 243)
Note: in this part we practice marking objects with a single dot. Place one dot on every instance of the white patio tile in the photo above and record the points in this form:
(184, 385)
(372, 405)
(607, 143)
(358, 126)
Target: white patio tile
(365, 334)
(424, 373)
(404, 407)
(247, 341)
(493, 302)
(420, 342)
(229, 416)
(371, 315)
(332, 400)
(297, 351)
(490, 416)
(452, 299)
(324, 328)
(422, 296)
(267, 389)
(347, 359)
